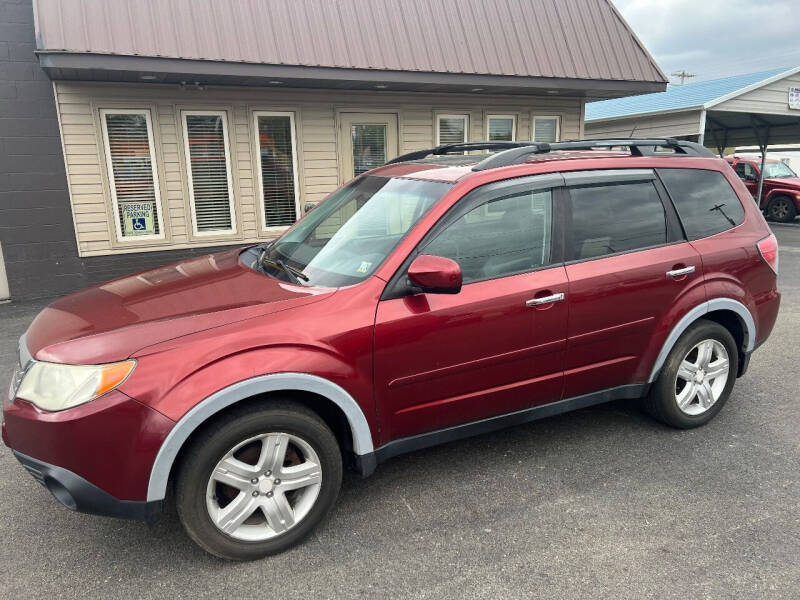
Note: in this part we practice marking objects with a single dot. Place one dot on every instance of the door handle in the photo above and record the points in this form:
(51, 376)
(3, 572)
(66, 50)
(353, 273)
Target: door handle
(680, 272)
(545, 299)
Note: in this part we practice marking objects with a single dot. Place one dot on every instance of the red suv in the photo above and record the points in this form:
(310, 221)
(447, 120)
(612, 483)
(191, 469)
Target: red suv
(430, 299)
(780, 194)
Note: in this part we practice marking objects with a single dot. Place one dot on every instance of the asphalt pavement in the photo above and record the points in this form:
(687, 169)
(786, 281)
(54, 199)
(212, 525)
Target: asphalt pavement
(600, 503)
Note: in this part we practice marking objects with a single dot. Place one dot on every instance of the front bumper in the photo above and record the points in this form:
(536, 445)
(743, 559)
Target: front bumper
(95, 457)
(74, 492)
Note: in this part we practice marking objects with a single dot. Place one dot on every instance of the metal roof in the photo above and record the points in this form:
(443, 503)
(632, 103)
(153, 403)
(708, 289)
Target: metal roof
(573, 39)
(702, 94)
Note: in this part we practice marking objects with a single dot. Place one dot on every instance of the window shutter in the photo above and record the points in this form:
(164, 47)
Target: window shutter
(501, 129)
(276, 156)
(132, 172)
(545, 129)
(209, 177)
(452, 129)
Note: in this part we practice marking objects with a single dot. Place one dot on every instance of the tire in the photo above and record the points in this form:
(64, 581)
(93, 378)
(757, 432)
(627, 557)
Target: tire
(671, 401)
(781, 209)
(248, 446)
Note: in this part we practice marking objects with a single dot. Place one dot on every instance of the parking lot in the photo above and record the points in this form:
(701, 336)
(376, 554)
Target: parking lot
(603, 502)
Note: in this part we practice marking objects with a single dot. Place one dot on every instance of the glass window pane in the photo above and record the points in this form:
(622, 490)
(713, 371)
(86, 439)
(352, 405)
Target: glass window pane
(277, 170)
(452, 130)
(705, 201)
(128, 148)
(619, 217)
(545, 129)
(207, 148)
(369, 147)
(500, 238)
(501, 129)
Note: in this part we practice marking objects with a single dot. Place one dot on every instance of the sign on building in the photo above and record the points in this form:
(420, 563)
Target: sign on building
(794, 98)
(138, 218)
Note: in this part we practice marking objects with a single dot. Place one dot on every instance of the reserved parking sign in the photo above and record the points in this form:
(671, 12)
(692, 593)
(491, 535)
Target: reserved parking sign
(794, 97)
(138, 218)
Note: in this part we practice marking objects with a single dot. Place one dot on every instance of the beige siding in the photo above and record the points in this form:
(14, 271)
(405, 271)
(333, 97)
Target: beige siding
(772, 98)
(316, 113)
(662, 125)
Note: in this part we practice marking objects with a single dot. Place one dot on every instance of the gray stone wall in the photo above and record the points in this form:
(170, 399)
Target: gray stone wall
(36, 228)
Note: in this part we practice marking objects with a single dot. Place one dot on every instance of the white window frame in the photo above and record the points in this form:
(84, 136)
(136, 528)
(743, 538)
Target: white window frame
(229, 173)
(542, 117)
(513, 125)
(110, 172)
(274, 113)
(463, 116)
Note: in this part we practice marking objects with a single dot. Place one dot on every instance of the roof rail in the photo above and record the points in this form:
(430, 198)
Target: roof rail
(455, 148)
(638, 147)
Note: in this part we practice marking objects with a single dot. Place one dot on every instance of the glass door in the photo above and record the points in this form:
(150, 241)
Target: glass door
(366, 141)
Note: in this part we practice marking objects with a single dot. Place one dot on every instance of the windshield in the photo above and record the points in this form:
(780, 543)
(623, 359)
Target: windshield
(778, 170)
(344, 239)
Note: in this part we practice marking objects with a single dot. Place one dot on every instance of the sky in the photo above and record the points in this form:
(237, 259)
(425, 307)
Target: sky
(716, 38)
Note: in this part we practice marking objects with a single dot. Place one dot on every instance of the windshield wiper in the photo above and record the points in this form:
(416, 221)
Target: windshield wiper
(296, 275)
(723, 213)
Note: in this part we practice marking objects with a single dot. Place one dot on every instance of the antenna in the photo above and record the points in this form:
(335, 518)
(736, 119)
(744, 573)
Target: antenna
(684, 75)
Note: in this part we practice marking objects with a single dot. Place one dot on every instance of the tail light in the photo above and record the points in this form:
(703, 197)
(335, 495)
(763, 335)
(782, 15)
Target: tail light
(768, 247)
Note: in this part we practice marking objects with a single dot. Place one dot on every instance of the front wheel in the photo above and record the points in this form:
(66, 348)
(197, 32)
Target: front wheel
(696, 378)
(781, 209)
(257, 482)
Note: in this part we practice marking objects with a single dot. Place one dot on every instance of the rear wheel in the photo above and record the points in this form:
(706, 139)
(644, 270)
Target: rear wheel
(697, 377)
(258, 482)
(781, 209)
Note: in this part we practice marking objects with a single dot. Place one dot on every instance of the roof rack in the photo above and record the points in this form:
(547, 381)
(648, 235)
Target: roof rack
(457, 148)
(638, 147)
(513, 153)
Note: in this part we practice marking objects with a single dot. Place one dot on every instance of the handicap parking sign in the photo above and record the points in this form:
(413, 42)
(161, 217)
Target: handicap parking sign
(138, 218)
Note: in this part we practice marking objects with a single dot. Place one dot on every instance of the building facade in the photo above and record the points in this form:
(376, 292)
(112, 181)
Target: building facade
(172, 129)
(752, 108)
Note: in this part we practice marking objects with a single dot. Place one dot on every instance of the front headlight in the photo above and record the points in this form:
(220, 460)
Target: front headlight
(53, 386)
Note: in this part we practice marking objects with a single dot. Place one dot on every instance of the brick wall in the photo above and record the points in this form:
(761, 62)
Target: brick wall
(36, 229)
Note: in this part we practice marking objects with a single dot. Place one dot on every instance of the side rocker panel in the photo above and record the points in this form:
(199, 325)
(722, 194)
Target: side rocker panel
(696, 313)
(362, 438)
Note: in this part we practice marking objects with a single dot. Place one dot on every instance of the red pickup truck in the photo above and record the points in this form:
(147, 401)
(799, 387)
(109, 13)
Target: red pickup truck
(780, 197)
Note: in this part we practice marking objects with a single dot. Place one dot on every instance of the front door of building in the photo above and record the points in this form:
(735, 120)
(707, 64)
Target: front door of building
(366, 141)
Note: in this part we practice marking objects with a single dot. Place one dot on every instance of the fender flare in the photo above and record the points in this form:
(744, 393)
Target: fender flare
(697, 312)
(780, 192)
(186, 425)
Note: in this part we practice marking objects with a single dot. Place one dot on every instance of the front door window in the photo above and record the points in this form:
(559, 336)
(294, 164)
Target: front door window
(502, 237)
(369, 147)
(366, 141)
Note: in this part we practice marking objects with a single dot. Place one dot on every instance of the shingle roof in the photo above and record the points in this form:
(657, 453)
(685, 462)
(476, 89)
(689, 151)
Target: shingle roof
(677, 97)
(577, 39)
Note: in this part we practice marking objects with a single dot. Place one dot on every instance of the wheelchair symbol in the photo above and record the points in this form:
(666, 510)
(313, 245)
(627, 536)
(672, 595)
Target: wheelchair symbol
(139, 224)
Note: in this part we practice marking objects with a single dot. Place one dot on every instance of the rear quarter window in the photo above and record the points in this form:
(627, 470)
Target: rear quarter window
(705, 201)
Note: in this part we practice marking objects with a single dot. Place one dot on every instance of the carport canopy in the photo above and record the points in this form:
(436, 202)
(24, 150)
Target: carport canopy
(755, 109)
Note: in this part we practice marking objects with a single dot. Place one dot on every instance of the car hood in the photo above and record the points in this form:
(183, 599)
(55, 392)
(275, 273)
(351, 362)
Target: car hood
(791, 182)
(111, 321)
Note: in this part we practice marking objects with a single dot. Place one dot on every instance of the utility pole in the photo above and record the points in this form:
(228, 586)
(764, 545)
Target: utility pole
(684, 75)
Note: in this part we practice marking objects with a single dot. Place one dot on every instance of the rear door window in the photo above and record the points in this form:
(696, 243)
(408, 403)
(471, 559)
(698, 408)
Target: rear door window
(613, 218)
(705, 201)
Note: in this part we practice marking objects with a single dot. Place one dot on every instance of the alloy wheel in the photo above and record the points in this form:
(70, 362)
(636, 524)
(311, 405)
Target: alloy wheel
(779, 210)
(263, 486)
(702, 376)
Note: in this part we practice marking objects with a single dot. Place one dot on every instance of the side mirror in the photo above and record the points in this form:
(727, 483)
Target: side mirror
(435, 274)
